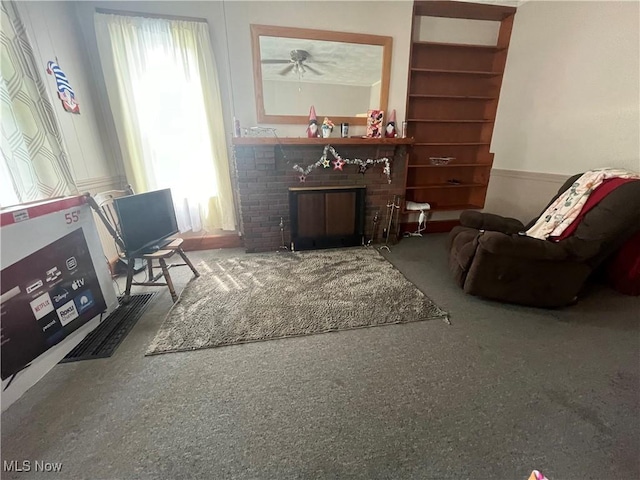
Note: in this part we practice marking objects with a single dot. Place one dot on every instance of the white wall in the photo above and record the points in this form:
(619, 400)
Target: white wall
(570, 96)
(456, 30)
(379, 18)
(293, 98)
(54, 34)
(95, 164)
(569, 99)
(231, 40)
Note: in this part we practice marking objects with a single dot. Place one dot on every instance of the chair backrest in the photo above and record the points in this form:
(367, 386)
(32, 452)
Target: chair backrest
(606, 226)
(570, 181)
(102, 204)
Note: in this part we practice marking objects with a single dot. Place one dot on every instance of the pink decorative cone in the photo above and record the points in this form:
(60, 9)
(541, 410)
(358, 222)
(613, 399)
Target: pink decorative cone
(313, 130)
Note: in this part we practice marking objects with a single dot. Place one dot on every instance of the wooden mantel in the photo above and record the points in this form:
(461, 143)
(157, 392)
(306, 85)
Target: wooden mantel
(355, 141)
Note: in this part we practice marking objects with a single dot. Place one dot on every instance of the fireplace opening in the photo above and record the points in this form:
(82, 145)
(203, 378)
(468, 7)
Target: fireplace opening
(326, 217)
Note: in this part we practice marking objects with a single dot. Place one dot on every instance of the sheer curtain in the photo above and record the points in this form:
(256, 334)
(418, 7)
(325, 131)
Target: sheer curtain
(163, 90)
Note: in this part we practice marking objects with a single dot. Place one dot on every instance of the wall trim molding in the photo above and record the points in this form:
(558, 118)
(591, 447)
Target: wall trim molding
(98, 183)
(558, 178)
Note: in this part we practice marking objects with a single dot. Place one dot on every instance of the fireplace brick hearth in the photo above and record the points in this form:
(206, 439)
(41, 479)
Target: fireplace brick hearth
(264, 173)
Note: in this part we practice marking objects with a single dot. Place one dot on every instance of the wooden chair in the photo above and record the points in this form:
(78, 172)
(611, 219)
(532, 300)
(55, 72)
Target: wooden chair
(102, 204)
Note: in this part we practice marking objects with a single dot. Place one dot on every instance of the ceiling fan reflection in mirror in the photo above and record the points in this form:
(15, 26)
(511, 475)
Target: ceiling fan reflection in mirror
(298, 63)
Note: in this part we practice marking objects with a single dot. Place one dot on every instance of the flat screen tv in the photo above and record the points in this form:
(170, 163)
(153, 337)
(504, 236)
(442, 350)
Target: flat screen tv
(146, 219)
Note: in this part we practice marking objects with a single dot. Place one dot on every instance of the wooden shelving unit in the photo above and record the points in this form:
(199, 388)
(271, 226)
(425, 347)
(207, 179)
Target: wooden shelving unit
(452, 98)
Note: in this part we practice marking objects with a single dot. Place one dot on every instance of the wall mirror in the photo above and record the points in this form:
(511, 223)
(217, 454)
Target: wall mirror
(341, 74)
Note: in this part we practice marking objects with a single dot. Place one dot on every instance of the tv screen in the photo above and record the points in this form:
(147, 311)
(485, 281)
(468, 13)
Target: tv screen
(44, 298)
(146, 219)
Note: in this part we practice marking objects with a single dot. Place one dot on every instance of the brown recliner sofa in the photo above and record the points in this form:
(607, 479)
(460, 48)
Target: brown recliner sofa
(490, 256)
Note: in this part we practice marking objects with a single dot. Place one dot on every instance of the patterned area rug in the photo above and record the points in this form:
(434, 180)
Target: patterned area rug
(269, 296)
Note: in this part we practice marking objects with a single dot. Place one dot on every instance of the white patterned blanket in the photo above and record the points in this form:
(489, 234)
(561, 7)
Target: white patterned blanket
(561, 213)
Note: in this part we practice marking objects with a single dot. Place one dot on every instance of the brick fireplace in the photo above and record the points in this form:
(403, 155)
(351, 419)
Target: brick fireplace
(264, 173)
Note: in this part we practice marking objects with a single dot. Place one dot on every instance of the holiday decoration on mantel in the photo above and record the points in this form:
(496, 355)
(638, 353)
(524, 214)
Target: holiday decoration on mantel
(65, 92)
(312, 129)
(374, 123)
(339, 162)
(390, 131)
(327, 127)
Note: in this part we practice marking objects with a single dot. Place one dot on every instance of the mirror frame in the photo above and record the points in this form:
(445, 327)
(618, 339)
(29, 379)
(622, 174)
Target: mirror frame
(290, 32)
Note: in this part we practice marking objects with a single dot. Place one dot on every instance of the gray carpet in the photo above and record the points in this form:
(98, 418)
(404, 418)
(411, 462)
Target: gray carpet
(503, 390)
(272, 296)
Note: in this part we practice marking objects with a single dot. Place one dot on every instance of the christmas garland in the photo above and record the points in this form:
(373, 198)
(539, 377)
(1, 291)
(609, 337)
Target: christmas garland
(340, 162)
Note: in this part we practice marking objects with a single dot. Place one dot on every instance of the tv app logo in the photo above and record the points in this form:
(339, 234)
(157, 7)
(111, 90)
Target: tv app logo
(50, 324)
(53, 274)
(60, 295)
(67, 312)
(72, 263)
(34, 286)
(41, 306)
(84, 301)
(78, 283)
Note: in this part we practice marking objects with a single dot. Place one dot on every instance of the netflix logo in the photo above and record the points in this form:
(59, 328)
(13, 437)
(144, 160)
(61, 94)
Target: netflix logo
(41, 306)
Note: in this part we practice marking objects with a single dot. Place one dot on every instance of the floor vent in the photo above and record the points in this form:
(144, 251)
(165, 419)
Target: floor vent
(104, 340)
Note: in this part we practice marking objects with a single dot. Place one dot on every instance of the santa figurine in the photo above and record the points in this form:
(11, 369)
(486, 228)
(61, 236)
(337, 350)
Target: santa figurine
(390, 131)
(312, 130)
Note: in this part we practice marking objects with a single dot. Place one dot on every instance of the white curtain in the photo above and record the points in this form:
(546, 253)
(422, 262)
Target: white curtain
(163, 89)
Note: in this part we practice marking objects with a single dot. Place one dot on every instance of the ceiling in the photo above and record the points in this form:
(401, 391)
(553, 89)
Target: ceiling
(340, 63)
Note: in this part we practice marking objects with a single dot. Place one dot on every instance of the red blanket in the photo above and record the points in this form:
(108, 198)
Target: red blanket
(623, 271)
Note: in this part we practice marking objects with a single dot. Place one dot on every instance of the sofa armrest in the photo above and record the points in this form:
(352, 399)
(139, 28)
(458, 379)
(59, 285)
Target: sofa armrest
(521, 246)
(490, 222)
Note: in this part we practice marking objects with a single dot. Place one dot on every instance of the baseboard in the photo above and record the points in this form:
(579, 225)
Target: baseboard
(437, 226)
(210, 242)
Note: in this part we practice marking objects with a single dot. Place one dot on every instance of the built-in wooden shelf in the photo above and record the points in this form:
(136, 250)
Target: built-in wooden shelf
(466, 206)
(452, 101)
(474, 73)
(441, 120)
(450, 165)
(355, 141)
(472, 11)
(494, 48)
(446, 185)
(451, 97)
